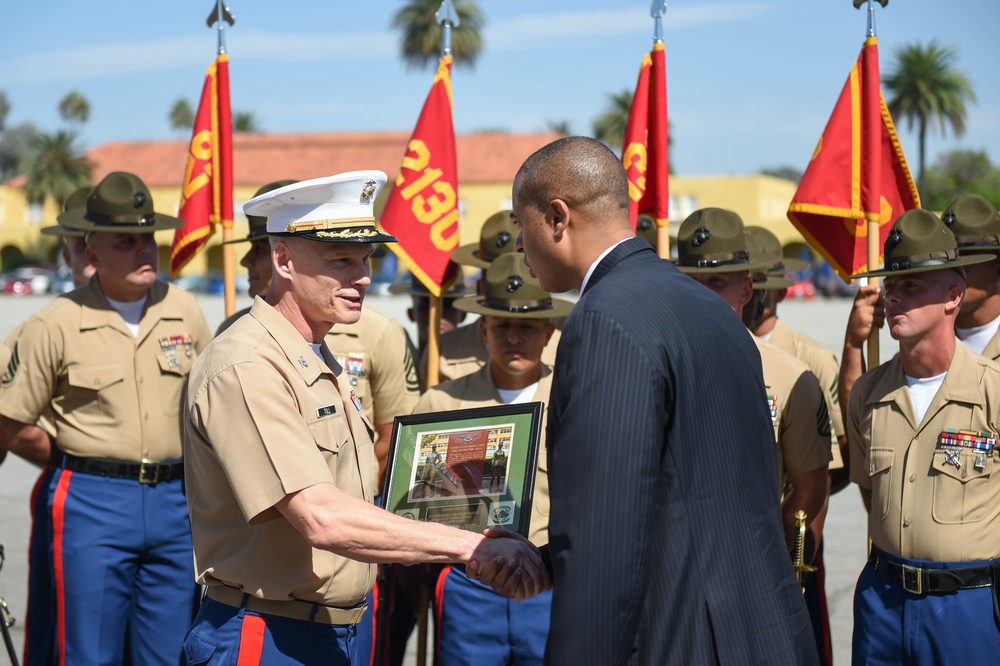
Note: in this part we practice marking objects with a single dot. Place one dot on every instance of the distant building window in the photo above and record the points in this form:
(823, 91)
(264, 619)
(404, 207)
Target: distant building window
(674, 211)
(238, 214)
(461, 208)
(506, 204)
(35, 213)
(690, 205)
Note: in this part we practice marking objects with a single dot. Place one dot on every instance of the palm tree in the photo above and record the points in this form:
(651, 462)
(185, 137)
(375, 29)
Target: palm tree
(609, 127)
(244, 121)
(926, 86)
(74, 108)
(181, 115)
(55, 168)
(421, 43)
(4, 109)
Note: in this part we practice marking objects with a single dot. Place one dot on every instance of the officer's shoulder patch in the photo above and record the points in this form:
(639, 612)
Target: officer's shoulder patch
(12, 366)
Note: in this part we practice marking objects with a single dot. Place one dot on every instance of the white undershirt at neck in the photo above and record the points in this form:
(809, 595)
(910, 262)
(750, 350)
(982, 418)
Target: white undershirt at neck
(978, 337)
(518, 396)
(922, 391)
(131, 312)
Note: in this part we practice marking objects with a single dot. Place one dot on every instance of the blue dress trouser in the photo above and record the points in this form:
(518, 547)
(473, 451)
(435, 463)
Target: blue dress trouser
(40, 614)
(122, 569)
(230, 636)
(893, 626)
(478, 627)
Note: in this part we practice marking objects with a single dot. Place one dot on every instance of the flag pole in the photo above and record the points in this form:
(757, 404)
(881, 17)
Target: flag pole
(222, 15)
(448, 18)
(657, 11)
(873, 224)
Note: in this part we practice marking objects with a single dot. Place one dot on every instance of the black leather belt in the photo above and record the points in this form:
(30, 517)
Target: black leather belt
(149, 472)
(917, 580)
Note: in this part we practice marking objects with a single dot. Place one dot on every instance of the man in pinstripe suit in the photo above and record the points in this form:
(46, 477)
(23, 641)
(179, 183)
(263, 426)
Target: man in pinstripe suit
(665, 534)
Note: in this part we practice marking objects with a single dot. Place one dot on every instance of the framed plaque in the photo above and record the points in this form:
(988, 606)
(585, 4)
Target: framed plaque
(470, 468)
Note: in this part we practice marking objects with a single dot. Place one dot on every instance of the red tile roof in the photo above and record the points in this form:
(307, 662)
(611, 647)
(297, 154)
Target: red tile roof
(262, 158)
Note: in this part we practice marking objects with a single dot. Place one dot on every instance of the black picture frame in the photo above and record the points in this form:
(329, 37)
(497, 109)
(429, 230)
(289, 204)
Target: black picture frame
(443, 467)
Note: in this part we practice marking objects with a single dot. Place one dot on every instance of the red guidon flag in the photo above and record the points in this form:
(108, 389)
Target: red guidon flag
(422, 208)
(857, 174)
(207, 192)
(644, 150)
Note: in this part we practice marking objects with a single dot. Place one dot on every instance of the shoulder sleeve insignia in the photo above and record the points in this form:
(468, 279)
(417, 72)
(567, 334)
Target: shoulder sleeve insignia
(12, 366)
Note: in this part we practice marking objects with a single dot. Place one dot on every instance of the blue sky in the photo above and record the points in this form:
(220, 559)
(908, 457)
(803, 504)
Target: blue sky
(750, 83)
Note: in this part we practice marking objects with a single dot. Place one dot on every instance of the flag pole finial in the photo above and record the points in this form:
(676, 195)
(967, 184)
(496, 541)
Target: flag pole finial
(657, 10)
(221, 14)
(871, 12)
(448, 18)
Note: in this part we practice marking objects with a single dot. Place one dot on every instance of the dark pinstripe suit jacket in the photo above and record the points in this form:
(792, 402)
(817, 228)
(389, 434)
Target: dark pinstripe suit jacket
(665, 533)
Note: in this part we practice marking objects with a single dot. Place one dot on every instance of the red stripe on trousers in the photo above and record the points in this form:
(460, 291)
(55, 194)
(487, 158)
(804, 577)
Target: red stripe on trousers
(439, 606)
(251, 641)
(58, 518)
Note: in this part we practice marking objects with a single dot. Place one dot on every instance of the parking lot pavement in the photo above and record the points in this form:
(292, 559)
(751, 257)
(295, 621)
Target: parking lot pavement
(845, 532)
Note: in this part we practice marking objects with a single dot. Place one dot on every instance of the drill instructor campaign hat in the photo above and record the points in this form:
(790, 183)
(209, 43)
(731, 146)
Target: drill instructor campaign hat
(78, 199)
(920, 242)
(119, 204)
(712, 240)
(771, 278)
(771, 245)
(512, 293)
(495, 238)
(975, 223)
(333, 209)
(258, 225)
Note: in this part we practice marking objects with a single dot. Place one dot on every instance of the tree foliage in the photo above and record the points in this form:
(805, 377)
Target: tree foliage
(926, 87)
(74, 108)
(609, 126)
(54, 167)
(961, 172)
(4, 109)
(181, 115)
(245, 121)
(421, 33)
(15, 145)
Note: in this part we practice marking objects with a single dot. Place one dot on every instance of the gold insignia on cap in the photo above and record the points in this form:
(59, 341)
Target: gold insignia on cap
(349, 233)
(319, 225)
(368, 191)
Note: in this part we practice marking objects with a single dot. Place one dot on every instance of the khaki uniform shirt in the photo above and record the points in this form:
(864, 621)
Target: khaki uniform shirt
(377, 358)
(463, 351)
(478, 390)
(822, 363)
(4, 356)
(992, 349)
(265, 417)
(798, 412)
(923, 507)
(112, 394)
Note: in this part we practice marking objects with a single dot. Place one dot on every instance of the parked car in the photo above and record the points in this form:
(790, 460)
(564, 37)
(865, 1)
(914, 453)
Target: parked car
(26, 280)
(802, 289)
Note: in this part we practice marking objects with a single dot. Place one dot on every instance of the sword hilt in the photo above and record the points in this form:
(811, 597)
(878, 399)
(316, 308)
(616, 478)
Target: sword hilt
(798, 552)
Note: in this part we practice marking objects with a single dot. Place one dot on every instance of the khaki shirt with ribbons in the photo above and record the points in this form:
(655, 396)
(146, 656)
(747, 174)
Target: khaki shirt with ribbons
(479, 390)
(926, 504)
(111, 394)
(266, 417)
(378, 363)
(464, 352)
(821, 362)
(799, 413)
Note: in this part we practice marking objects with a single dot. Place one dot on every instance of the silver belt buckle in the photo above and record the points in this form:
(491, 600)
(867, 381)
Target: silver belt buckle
(913, 579)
